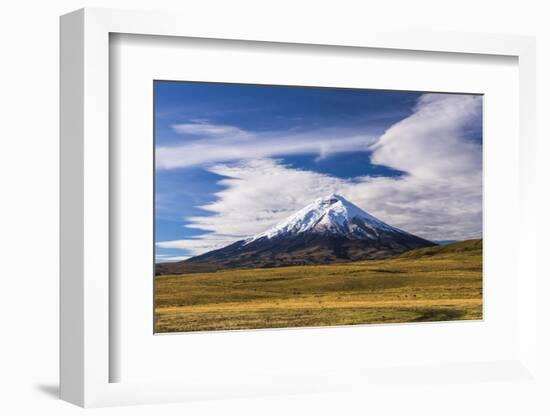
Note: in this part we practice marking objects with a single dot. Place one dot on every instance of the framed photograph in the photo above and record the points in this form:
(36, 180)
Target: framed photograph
(259, 192)
(280, 212)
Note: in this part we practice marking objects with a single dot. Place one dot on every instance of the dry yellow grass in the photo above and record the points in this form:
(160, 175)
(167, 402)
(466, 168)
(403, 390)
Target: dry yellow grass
(442, 284)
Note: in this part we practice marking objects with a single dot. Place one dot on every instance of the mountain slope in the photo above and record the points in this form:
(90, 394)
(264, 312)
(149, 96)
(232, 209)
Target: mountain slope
(331, 229)
(467, 247)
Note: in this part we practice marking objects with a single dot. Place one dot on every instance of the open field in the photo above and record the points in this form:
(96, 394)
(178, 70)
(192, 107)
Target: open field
(432, 284)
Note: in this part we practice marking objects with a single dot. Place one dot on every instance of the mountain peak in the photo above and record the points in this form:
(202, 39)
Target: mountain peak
(332, 215)
(329, 229)
(331, 199)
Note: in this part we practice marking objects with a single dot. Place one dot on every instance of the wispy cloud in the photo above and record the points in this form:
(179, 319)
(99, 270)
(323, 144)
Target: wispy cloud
(204, 128)
(221, 143)
(438, 198)
(202, 243)
(163, 258)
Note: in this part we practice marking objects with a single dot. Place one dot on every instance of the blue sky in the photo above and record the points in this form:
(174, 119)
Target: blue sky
(233, 159)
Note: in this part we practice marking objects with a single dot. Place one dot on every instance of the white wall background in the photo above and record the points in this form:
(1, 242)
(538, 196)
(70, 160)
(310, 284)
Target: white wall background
(29, 207)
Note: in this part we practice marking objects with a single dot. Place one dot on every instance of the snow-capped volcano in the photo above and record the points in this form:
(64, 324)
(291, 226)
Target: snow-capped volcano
(331, 215)
(330, 229)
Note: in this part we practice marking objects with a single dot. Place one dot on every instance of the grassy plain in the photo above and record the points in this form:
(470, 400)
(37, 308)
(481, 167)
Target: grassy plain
(433, 284)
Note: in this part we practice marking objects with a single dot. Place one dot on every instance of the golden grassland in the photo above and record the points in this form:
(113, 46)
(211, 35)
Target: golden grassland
(433, 284)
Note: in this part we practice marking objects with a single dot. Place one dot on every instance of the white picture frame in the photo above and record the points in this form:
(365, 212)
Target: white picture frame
(85, 206)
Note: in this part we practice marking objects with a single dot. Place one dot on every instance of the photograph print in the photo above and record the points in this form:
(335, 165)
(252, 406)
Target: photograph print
(289, 206)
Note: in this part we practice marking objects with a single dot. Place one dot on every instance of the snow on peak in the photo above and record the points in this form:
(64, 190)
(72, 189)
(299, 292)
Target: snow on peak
(331, 214)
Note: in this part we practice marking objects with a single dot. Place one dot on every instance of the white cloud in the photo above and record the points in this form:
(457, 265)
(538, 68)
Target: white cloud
(259, 193)
(203, 128)
(160, 258)
(438, 198)
(204, 243)
(441, 195)
(219, 143)
(431, 142)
